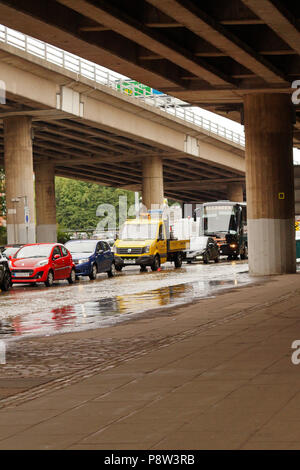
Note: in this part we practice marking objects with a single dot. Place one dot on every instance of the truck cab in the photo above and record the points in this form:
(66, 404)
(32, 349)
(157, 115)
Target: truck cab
(226, 222)
(145, 242)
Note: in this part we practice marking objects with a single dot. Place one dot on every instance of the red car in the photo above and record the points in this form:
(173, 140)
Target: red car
(42, 262)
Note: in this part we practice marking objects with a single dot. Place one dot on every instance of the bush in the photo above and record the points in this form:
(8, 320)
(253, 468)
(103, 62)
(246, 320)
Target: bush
(62, 236)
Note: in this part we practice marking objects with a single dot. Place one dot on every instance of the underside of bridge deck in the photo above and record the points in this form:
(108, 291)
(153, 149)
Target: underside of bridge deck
(93, 154)
(208, 53)
(239, 58)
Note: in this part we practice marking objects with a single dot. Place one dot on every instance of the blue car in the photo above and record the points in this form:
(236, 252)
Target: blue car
(91, 257)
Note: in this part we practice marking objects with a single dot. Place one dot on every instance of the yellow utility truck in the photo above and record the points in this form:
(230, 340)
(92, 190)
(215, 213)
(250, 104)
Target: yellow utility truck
(147, 242)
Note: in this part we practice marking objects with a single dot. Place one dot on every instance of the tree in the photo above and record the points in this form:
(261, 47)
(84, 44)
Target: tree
(77, 202)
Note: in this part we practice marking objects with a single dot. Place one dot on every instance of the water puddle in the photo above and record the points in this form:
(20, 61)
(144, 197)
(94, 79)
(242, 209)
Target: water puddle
(102, 312)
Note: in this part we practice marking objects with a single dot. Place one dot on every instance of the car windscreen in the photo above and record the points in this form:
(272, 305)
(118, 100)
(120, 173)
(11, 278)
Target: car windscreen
(9, 252)
(198, 243)
(81, 247)
(139, 232)
(34, 251)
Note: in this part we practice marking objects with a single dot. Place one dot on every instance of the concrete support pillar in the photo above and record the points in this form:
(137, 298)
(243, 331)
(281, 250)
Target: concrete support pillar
(46, 231)
(235, 192)
(19, 183)
(270, 184)
(153, 185)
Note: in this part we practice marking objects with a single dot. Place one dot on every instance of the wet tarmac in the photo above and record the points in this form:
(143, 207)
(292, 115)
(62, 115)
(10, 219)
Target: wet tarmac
(29, 311)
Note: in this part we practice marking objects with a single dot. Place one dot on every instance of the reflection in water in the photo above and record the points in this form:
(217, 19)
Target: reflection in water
(107, 311)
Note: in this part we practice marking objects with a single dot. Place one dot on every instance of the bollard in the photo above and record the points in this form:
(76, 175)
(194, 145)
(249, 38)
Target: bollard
(2, 352)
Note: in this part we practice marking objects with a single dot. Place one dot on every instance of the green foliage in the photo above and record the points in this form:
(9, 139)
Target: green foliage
(77, 202)
(62, 236)
(3, 236)
(2, 193)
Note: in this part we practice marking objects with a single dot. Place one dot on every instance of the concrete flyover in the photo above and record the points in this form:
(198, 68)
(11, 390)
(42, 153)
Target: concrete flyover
(211, 54)
(238, 58)
(86, 130)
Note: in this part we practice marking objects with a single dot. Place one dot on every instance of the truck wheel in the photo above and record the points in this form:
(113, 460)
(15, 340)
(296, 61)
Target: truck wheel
(244, 255)
(93, 273)
(156, 263)
(178, 260)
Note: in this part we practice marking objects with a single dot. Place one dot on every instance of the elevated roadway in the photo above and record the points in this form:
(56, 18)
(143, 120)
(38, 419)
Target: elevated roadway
(208, 53)
(93, 132)
(240, 58)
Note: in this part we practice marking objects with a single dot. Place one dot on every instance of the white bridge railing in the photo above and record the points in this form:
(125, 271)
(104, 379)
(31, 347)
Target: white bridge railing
(87, 69)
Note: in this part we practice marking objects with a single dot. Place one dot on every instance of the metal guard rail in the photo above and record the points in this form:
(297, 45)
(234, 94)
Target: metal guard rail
(105, 77)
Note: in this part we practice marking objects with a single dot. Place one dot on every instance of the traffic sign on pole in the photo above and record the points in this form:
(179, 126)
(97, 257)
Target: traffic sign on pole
(26, 215)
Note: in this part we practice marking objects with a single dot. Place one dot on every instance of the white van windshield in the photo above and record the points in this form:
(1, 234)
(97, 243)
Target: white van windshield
(139, 232)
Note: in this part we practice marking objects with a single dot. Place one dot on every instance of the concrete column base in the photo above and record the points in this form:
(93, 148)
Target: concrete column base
(270, 183)
(19, 183)
(271, 246)
(21, 233)
(45, 203)
(46, 233)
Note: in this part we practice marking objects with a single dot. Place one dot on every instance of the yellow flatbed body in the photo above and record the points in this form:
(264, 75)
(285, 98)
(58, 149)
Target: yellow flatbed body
(178, 245)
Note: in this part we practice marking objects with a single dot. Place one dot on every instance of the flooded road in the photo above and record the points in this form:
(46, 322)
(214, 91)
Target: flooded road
(31, 311)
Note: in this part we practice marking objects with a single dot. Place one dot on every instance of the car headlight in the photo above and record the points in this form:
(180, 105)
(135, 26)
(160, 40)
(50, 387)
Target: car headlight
(83, 260)
(146, 249)
(233, 245)
(42, 263)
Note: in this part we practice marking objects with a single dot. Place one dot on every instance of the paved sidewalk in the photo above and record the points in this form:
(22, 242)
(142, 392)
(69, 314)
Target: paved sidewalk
(220, 377)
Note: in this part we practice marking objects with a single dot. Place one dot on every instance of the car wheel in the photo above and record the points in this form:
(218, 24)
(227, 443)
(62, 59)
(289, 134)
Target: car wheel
(119, 268)
(112, 271)
(156, 263)
(143, 268)
(5, 286)
(93, 273)
(205, 259)
(50, 279)
(189, 261)
(178, 260)
(217, 259)
(72, 277)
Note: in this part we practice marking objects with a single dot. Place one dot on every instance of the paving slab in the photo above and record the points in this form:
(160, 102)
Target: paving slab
(216, 374)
